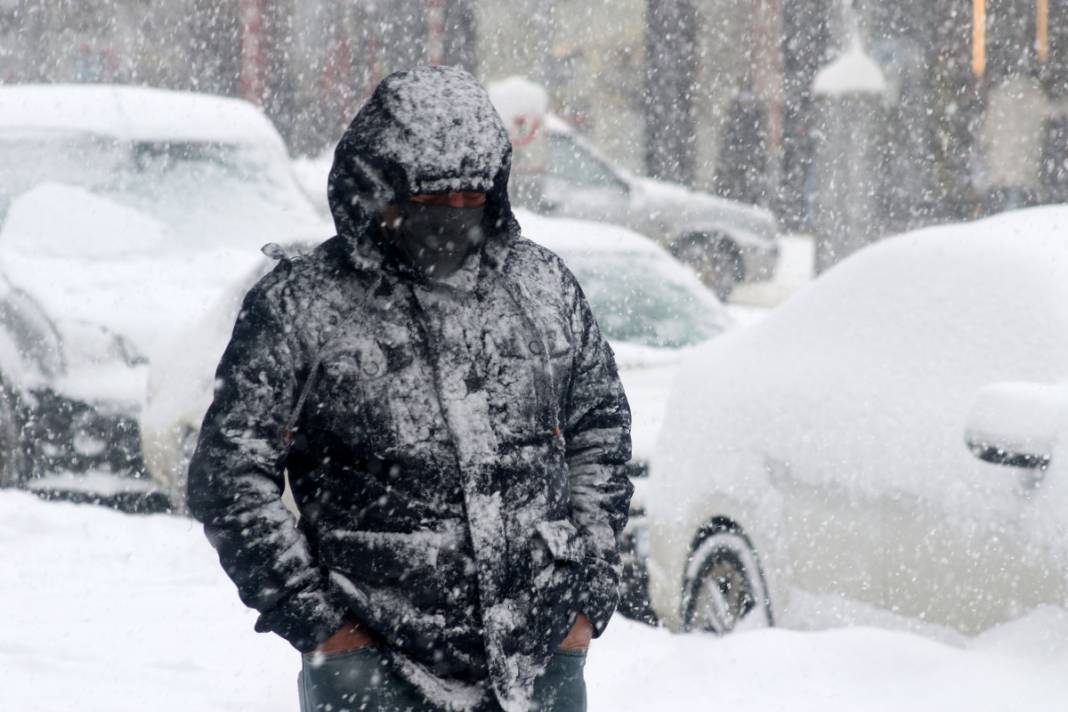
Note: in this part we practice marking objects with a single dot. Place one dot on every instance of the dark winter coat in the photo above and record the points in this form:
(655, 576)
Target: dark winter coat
(457, 453)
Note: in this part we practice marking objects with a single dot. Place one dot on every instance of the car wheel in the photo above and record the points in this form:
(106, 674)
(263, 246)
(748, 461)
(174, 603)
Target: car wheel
(10, 449)
(724, 589)
(715, 260)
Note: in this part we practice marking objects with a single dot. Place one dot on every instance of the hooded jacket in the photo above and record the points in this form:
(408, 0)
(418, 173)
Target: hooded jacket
(454, 446)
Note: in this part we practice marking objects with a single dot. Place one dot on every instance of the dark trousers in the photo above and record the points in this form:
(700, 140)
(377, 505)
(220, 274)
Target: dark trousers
(362, 681)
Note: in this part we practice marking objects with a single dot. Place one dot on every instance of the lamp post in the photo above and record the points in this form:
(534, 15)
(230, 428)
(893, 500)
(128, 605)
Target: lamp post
(978, 37)
(1042, 30)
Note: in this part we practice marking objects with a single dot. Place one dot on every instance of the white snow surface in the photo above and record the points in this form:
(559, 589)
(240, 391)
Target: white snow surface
(852, 72)
(100, 261)
(103, 263)
(89, 226)
(106, 612)
(132, 113)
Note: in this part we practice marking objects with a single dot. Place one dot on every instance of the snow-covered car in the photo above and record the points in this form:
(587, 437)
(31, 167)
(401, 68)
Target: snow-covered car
(822, 451)
(651, 307)
(724, 241)
(124, 213)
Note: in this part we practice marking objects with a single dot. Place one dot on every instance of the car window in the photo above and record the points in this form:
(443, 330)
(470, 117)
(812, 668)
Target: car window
(205, 193)
(644, 299)
(30, 159)
(571, 162)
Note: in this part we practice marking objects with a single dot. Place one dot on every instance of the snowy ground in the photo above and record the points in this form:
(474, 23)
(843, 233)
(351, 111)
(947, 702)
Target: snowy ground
(109, 612)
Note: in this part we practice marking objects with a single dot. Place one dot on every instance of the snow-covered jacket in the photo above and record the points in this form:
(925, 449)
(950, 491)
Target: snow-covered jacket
(455, 446)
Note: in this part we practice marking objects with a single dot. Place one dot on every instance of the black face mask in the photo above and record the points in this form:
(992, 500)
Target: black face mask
(435, 239)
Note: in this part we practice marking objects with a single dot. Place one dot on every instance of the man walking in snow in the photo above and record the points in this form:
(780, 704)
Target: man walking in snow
(451, 421)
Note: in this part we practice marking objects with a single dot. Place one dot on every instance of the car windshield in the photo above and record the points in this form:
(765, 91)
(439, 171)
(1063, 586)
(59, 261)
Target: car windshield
(27, 160)
(203, 192)
(645, 299)
(571, 162)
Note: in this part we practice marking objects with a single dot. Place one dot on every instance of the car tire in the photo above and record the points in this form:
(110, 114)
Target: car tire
(724, 589)
(11, 460)
(716, 261)
(727, 271)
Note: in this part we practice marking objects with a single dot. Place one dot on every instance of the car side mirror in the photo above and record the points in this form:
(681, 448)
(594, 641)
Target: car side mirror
(1017, 424)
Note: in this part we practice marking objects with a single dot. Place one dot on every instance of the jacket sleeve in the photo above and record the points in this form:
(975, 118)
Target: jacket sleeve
(597, 436)
(236, 481)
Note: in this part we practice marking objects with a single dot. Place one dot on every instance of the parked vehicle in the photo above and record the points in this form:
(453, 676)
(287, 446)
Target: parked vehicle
(821, 449)
(651, 308)
(124, 213)
(724, 241)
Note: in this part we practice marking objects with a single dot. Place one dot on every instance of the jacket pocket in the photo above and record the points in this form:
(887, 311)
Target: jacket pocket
(563, 540)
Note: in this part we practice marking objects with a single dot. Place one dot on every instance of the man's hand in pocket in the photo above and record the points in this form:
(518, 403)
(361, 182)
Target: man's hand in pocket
(350, 636)
(580, 635)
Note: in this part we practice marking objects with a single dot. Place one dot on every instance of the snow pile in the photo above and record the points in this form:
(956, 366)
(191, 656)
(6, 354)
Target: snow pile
(147, 263)
(157, 625)
(1016, 667)
(58, 220)
(145, 297)
(853, 72)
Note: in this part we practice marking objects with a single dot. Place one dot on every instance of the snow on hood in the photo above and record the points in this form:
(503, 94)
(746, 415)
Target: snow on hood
(864, 379)
(100, 262)
(87, 226)
(431, 129)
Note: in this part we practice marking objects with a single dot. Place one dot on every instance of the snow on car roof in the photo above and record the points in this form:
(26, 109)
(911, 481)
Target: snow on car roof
(565, 235)
(864, 379)
(134, 114)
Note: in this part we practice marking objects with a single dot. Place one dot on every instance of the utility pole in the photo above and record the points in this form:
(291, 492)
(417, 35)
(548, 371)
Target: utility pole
(254, 48)
(767, 69)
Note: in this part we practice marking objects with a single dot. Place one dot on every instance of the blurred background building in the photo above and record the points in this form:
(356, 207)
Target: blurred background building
(715, 94)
